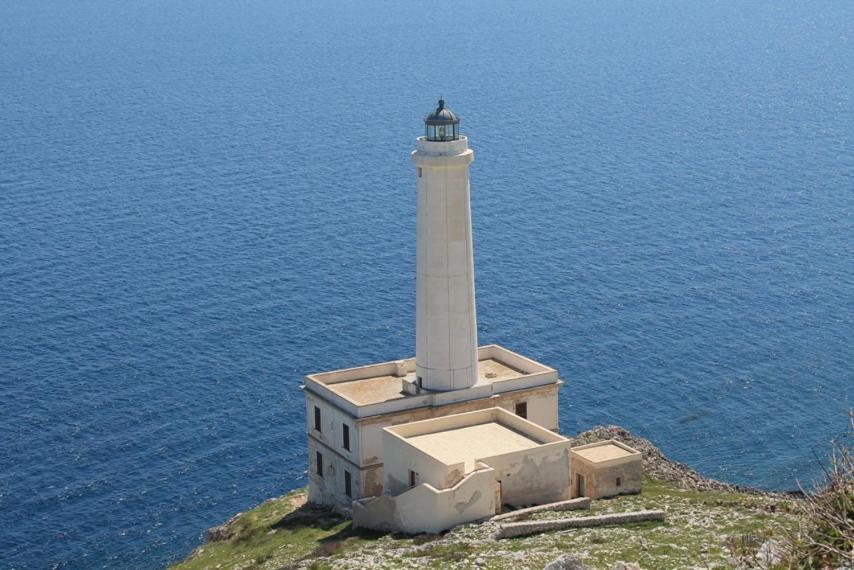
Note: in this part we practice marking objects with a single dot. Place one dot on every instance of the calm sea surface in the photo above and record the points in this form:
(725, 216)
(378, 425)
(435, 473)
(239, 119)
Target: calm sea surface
(201, 201)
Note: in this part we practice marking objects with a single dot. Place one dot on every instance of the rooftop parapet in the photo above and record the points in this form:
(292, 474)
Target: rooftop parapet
(391, 386)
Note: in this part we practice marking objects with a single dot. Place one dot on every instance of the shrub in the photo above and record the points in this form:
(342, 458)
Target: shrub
(825, 538)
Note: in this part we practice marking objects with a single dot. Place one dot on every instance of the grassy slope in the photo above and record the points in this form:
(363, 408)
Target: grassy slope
(700, 526)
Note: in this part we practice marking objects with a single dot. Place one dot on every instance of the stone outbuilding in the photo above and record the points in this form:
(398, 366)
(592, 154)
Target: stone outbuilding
(605, 469)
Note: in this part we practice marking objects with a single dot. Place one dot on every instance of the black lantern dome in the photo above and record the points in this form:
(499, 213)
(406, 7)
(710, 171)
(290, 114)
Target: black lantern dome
(442, 124)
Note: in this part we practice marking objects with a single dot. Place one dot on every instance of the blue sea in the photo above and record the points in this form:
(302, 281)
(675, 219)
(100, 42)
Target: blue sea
(203, 200)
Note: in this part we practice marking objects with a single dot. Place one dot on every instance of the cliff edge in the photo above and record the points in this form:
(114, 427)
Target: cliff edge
(708, 524)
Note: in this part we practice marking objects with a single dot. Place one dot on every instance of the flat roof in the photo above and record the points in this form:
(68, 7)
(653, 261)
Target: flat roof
(605, 451)
(469, 443)
(390, 387)
(373, 389)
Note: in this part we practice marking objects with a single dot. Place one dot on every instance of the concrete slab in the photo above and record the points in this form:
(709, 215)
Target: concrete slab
(604, 452)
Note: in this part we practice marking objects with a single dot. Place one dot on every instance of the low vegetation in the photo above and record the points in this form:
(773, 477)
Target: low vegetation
(708, 525)
(702, 528)
(825, 537)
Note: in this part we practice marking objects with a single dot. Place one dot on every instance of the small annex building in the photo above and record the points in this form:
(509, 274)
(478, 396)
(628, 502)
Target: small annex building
(453, 469)
(606, 469)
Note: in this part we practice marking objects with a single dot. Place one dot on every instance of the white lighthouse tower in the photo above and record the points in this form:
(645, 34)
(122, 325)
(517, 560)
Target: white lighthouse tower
(446, 325)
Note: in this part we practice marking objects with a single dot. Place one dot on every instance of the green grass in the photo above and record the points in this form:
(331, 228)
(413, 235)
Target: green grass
(278, 533)
(701, 529)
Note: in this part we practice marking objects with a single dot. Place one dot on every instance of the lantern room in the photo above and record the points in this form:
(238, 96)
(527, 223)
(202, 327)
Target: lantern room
(442, 124)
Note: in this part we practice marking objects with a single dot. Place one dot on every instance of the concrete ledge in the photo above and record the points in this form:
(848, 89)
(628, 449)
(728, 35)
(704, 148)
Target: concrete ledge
(510, 530)
(570, 505)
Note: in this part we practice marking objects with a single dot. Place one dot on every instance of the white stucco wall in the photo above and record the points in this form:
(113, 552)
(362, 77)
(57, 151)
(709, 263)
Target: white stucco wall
(427, 509)
(445, 321)
(444, 495)
(332, 427)
(329, 489)
(542, 406)
(402, 457)
(542, 410)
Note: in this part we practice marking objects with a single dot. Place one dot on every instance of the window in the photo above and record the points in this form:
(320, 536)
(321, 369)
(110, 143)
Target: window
(348, 484)
(346, 437)
(619, 481)
(522, 409)
(419, 172)
(413, 476)
(319, 463)
(317, 418)
(419, 381)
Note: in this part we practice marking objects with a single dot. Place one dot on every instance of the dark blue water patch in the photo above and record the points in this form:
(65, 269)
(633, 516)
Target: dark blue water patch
(200, 202)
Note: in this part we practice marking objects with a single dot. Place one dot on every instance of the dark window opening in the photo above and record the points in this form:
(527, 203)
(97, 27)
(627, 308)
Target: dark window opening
(346, 437)
(319, 461)
(348, 484)
(412, 477)
(419, 382)
(419, 172)
(619, 481)
(317, 418)
(522, 409)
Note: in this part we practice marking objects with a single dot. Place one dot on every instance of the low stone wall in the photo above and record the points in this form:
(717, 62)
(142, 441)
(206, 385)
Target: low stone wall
(570, 505)
(424, 508)
(510, 530)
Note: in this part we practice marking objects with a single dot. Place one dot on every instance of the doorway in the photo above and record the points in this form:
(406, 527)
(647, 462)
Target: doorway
(498, 497)
(579, 485)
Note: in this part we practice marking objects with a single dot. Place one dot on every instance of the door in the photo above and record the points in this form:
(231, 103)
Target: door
(498, 497)
(579, 485)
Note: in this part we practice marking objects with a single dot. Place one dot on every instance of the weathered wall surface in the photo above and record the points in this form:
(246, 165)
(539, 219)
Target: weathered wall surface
(601, 481)
(427, 509)
(332, 425)
(377, 513)
(372, 481)
(366, 439)
(534, 476)
(330, 488)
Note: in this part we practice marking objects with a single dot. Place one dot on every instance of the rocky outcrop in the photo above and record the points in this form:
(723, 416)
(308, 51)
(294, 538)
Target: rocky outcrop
(224, 531)
(566, 562)
(571, 562)
(657, 466)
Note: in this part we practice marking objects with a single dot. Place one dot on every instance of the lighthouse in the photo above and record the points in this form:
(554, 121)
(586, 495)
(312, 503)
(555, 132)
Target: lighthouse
(453, 396)
(446, 355)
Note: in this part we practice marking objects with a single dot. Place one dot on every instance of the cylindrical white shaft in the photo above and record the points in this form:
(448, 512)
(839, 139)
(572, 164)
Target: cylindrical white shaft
(445, 321)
